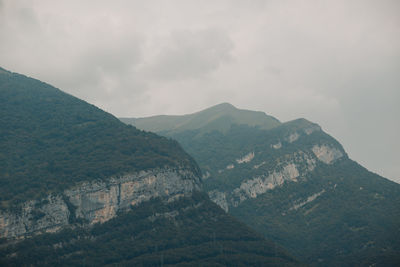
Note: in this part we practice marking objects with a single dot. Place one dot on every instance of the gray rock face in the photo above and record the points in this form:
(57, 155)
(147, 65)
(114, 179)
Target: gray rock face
(293, 137)
(300, 203)
(96, 202)
(290, 171)
(326, 153)
(219, 198)
(47, 215)
(259, 185)
(293, 169)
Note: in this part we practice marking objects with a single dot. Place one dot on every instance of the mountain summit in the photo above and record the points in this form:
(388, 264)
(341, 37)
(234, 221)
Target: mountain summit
(219, 118)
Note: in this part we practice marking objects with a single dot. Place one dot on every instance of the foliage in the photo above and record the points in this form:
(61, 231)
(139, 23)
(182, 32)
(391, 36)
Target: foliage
(50, 141)
(354, 222)
(214, 151)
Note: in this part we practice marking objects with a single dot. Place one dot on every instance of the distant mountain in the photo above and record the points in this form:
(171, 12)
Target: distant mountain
(295, 184)
(219, 117)
(79, 187)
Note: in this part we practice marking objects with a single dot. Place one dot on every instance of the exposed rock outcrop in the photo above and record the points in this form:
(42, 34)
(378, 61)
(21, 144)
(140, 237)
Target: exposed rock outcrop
(290, 168)
(219, 198)
(289, 171)
(293, 137)
(326, 153)
(277, 145)
(259, 165)
(95, 202)
(230, 167)
(300, 203)
(246, 158)
(259, 185)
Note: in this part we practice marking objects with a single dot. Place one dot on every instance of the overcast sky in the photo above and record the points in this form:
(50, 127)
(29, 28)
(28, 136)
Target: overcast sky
(336, 63)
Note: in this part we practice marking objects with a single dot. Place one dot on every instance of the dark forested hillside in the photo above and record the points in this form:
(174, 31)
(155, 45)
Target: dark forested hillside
(50, 140)
(353, 221)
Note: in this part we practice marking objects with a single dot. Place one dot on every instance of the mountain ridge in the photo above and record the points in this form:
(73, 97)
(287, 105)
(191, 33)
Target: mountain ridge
(217, 117)
(48, 147)
(79, 187)
(296, 184)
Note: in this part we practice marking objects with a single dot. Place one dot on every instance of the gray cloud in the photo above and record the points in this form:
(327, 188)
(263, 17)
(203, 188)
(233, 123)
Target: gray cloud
(191, 55)
(336, 63)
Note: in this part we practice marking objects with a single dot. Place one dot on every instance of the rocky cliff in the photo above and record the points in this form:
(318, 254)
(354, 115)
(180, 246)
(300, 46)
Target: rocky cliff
(293, 168)
(95, 201)
(66, 162)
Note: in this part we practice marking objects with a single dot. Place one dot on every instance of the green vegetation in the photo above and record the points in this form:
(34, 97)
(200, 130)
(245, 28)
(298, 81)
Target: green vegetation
(50, 141)
(354, 222)
(214, 151)
(192, 231)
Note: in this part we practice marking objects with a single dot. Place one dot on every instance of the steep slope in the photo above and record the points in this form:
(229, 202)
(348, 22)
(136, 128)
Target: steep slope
(49, 137)
(297, 186)
(64, 161)
(79, 187)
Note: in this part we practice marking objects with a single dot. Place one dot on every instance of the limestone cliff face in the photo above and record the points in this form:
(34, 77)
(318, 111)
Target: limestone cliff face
(294, 168)
(96, 202)
(326, 153)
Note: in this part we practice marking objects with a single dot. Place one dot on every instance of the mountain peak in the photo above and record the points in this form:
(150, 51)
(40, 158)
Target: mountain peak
(224, 106)
(216, 118)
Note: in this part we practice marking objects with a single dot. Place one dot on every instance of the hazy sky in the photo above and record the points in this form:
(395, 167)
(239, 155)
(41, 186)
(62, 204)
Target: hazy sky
(336, 63)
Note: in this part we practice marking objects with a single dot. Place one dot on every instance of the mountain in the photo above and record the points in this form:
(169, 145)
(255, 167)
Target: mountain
(49, 137)
(79, 187)
(219, 117)
(295, 184)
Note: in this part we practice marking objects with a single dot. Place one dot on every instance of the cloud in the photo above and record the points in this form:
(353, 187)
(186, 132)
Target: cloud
(190, 55)
(336, 62)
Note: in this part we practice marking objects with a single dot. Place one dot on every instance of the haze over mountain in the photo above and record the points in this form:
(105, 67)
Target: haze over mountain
(335, 63)
(78, 187)
(292, 182)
